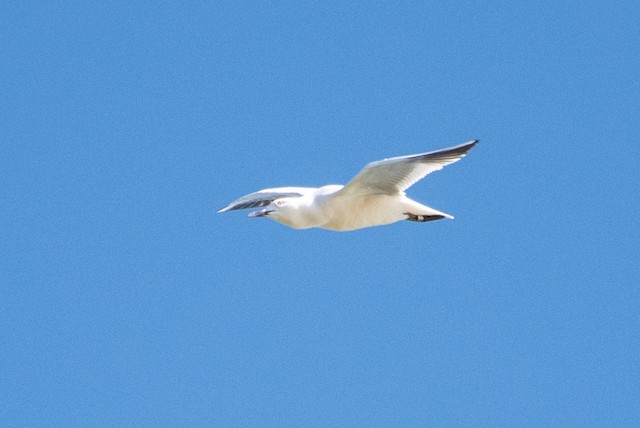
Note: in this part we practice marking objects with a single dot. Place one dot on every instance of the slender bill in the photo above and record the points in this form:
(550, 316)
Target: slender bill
(260, 213)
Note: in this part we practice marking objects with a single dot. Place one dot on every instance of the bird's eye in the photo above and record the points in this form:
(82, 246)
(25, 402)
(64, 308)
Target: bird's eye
(279, 203)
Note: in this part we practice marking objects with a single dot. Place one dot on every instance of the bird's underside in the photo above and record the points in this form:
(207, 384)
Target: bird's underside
(351, 213)
(374, 197)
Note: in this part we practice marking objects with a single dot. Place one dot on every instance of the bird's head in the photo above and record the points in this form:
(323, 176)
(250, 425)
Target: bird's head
(290, 211)
(277, 210)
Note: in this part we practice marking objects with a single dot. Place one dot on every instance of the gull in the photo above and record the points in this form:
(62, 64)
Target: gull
(374, 197)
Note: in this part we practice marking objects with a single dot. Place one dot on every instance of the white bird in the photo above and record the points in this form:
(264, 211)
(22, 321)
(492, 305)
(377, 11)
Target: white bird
(374, 197)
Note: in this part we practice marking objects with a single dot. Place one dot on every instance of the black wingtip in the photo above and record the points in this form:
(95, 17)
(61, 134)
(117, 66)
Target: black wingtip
(470, 144)
(459, 150)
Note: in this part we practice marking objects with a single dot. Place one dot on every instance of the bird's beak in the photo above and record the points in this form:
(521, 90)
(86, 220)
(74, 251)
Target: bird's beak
(260, 213)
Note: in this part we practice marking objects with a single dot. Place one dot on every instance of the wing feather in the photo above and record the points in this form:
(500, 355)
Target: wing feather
(395, 175)
(263, 198)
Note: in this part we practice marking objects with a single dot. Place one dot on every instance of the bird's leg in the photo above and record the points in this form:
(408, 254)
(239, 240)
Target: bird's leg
(422, 218)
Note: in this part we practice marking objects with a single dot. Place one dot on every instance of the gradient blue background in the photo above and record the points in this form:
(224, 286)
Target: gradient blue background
(127, 301)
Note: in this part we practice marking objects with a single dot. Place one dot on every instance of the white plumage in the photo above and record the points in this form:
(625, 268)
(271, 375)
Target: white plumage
(375, 196)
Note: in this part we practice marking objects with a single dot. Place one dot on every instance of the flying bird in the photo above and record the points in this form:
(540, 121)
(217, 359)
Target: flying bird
(374, 197)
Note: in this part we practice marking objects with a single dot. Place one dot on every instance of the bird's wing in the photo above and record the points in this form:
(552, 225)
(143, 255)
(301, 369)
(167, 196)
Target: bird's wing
(264, 198)
(395, 175)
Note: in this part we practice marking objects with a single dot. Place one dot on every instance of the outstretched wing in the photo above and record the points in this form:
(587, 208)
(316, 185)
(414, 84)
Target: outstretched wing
(263, 198)
(395, 175)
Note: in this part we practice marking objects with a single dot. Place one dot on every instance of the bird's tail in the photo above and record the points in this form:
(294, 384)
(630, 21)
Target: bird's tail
(418, 212)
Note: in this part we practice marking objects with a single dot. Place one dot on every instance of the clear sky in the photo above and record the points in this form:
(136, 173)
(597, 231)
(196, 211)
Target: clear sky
(127, 301)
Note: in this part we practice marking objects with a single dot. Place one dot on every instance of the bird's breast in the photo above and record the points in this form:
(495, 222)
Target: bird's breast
(362, 211)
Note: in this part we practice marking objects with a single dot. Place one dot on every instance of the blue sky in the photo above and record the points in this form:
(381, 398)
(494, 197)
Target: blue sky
(127, 301)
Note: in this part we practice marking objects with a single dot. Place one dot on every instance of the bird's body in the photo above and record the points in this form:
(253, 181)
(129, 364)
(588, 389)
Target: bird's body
(374, 197)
